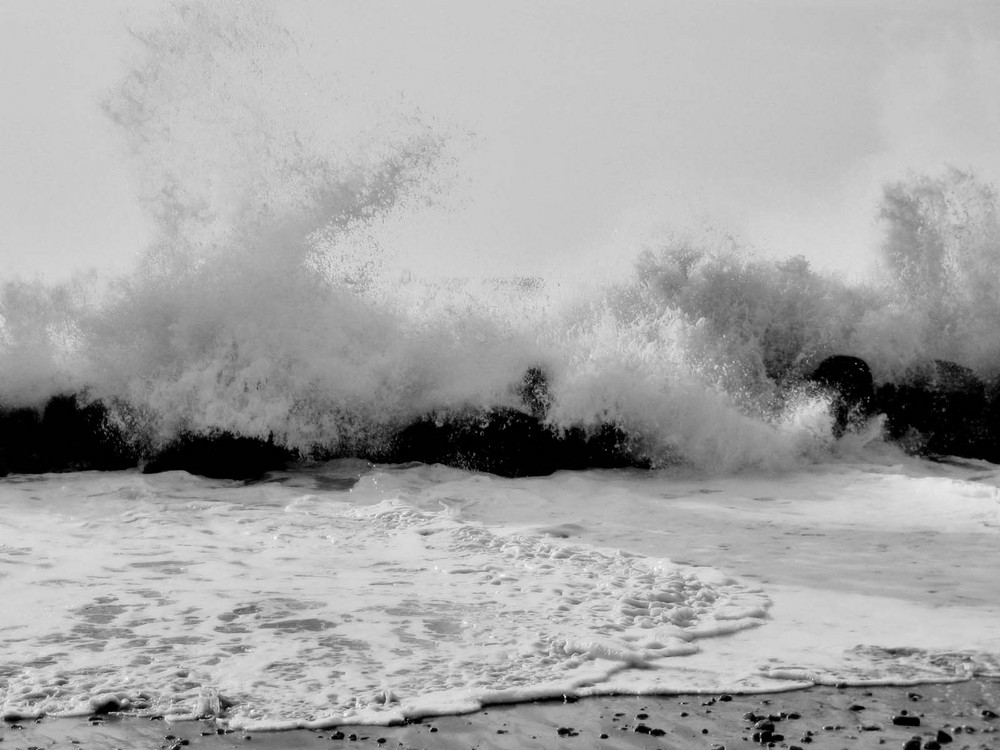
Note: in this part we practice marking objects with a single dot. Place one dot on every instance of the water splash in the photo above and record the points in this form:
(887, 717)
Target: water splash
(264, 308)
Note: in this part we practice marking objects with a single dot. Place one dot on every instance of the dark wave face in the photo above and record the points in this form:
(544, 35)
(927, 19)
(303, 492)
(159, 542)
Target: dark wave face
(263, 309)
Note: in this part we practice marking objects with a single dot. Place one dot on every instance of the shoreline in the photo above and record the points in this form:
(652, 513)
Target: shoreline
(953, 715)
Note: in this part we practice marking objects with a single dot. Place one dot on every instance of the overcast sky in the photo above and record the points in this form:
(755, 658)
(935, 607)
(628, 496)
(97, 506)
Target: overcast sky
(594, 124)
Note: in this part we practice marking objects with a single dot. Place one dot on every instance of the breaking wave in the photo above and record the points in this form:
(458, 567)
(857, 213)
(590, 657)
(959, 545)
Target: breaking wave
(265, 307)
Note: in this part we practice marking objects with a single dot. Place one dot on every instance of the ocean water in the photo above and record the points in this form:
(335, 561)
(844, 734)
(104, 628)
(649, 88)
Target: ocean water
(760, 553)
(354, 593)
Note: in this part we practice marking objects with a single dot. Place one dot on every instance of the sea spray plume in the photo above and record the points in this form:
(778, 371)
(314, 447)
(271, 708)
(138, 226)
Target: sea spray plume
(236, 321)
(232, 136)
(230, 322)
(701, 355)
(632, 372)
(941, 252)
(751, 325)
(241, 318)
(40, 338)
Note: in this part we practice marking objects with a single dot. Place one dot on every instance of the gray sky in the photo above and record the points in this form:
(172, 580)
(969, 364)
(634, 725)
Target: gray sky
(594, 124)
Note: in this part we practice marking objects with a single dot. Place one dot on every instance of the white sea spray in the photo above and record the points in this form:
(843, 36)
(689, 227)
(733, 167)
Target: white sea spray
(268, 305)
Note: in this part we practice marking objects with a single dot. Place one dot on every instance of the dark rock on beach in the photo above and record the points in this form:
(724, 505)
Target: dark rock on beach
(849, 381)
(513, 442)
(68, 433)
(72, 433)
(499, 441)
(510, 443)
(220, 455)
(604, 447)
(940, 408)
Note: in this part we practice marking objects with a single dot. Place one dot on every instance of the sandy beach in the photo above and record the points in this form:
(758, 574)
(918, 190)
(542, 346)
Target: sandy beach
(960, 715)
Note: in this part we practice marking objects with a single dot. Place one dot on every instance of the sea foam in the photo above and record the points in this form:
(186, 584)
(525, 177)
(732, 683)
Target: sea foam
(156, 595)
(344, 594)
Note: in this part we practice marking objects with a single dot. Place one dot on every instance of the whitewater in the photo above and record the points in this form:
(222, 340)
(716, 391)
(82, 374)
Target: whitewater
(766, 548)
(347, 593)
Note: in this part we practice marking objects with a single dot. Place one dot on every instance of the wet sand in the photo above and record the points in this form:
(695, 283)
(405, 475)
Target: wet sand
(955, 716)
